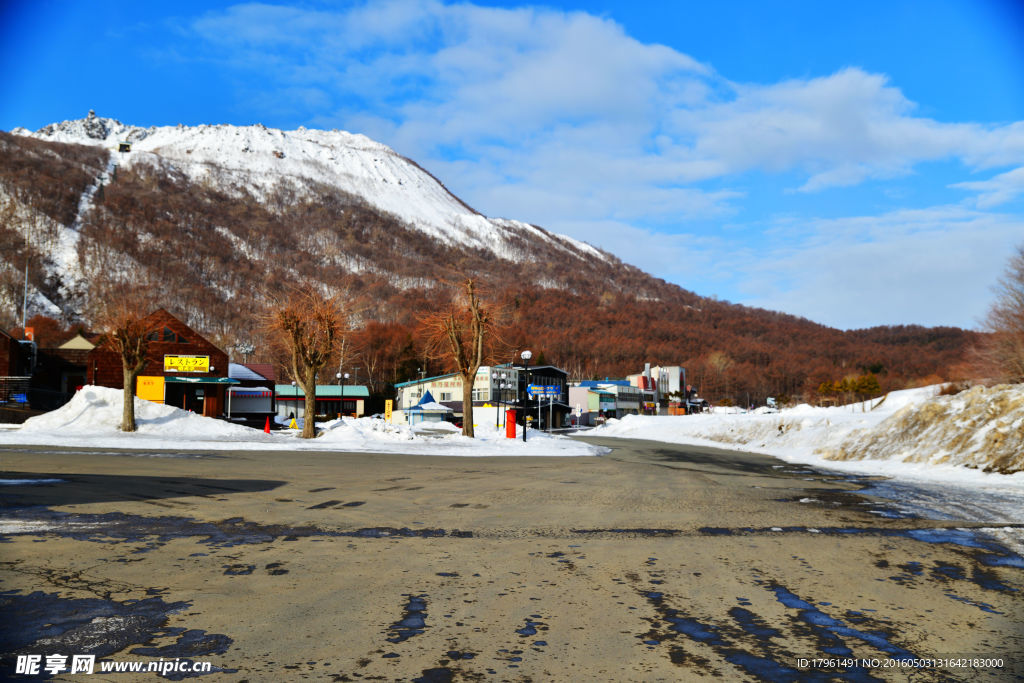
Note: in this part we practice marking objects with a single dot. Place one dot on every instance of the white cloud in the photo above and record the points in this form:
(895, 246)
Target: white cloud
(997, 190)
(474, 82)
(933, 267)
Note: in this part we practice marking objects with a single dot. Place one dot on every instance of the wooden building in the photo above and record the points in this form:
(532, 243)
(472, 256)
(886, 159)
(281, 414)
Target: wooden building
(182, 368)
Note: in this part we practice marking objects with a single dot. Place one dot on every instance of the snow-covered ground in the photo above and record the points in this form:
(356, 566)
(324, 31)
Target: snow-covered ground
(92, 419)
(934, 448)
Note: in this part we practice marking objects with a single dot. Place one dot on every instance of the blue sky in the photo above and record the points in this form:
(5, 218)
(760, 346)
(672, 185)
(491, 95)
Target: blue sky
(857, 164)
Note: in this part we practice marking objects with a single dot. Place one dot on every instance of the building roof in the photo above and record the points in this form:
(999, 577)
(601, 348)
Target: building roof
(265, 369)
(239, 371)
(425, 379)
(79, 341)
(432, 407)
(323, 391)
(200, 380)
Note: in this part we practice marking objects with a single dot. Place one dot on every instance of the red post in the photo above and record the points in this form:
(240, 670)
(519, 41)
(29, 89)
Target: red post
(266, 427)
(510, 424)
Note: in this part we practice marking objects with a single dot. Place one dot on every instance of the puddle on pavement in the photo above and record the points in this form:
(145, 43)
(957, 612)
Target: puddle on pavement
(45, 623)
(725, 639)
(116, 527)
(413, 621)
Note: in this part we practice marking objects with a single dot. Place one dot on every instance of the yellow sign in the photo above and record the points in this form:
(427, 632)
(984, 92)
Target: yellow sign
(186, 363)
(387, 409)
(150, 388)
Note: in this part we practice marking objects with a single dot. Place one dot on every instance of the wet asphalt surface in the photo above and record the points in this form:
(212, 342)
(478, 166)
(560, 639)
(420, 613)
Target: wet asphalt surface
(655, 562)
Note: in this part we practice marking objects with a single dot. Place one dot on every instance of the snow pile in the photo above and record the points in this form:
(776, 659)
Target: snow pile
(93, 419)
(97, 411)
(971, 444)
(907, 433)
(364, 431)
(790, 432)
(981, 428)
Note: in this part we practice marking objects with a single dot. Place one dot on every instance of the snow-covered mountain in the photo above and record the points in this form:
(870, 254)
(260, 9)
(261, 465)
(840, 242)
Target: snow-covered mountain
(260, 159)
(213, 222)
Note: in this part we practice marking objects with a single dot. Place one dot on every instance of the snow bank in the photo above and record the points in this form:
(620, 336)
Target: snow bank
(96, 411)
(907, 431)
(93, 419)
(981, 428)
(971, 444)
(797, 431)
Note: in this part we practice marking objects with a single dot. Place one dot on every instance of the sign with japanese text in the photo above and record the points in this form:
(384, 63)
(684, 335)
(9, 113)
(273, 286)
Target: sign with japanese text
(186, 363)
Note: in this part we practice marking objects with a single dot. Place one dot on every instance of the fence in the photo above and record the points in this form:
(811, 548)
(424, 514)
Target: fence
(14, 391)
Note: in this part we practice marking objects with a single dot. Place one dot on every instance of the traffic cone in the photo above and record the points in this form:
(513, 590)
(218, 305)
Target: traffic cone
(266, 427)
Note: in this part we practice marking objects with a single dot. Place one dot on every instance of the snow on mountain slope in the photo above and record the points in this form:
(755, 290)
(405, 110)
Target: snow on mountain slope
(259, 158)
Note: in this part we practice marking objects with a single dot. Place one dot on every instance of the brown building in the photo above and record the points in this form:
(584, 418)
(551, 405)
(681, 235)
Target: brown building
(16, 361)
(60, 372)
(182, 369)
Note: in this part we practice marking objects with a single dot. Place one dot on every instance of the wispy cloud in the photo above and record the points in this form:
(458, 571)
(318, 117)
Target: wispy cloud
(998, 189)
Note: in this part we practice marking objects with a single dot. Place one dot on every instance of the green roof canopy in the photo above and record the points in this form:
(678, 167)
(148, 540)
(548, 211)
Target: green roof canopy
(202, 380)
(323, 391)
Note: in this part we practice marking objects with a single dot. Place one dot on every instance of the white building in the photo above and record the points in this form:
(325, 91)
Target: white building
(667, 379)
(492, 384)
(494, 389)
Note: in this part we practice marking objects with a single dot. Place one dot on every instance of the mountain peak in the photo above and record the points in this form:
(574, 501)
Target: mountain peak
(257, 160)
(91, 130)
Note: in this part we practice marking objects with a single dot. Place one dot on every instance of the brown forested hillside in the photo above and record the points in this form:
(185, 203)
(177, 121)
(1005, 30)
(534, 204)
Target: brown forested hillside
(212, 253)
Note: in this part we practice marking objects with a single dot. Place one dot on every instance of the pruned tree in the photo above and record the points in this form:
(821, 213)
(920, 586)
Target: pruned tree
(1001, 353)
(126, 332)
(309, 325)
(462, 335)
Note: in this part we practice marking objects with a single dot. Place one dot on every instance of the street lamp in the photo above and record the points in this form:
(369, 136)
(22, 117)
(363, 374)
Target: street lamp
(526, 356)
(244, 348)
(341, 407)
(500, 384)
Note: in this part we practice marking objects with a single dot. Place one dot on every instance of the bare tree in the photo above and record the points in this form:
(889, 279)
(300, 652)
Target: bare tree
(310, 326)
(1002, 352)
(126, 333)
(721, 364)
(461, 335)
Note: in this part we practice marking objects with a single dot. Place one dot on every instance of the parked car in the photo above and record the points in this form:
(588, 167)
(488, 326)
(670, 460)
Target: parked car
(697, 405)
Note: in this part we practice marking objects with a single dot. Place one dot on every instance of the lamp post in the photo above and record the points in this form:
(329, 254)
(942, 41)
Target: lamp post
(502, 388)
(526, 356)
(497, 408)
(341, 406)
(500, 384)
(355, 381)
(245, 349)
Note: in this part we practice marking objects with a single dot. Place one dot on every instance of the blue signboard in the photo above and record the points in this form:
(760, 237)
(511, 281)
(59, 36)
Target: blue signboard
(547, 391)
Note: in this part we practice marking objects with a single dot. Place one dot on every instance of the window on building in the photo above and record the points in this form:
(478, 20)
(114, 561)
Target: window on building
(166, 335)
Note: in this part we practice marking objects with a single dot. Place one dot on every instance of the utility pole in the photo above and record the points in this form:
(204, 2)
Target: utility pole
(24, 300)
